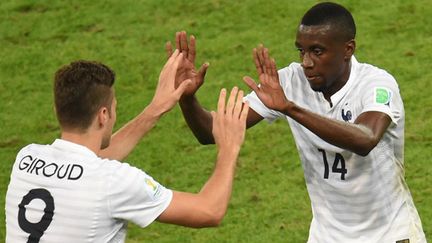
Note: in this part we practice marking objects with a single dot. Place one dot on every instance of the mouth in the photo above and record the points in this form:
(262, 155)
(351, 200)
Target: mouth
(312, 77)
(315, 81)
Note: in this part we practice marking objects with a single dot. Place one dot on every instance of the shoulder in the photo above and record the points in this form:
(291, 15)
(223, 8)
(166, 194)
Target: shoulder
(291, 74)
(32, 148)
(121, 172)
(293, 68)
(369, 74)
(117, 166)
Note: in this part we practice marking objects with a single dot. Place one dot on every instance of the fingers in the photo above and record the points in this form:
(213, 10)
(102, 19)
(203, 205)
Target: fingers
(169, 70)
(174, 56)
(178, 46)
(188, 50)
(170, 59)
(231, 101)
(202, 72)
(192, 50)
(238, 104)
(184, 48)
(274, 69)
(267, 61)
(213, 114)
(221, 102)
(260, 56)
(251, 83)
(182, 87)
(257, 62)
(263, 62)
(234, 107)
(168, 49)
(244, 112)
(177, 60)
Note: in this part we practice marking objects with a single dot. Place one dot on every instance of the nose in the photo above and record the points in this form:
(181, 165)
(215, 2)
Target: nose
(307, 61)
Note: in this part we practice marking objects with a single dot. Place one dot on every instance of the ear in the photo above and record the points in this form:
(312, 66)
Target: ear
(102, 116)
(350, 47)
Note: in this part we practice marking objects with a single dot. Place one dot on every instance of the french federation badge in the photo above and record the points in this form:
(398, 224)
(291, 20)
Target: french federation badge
(346, 113)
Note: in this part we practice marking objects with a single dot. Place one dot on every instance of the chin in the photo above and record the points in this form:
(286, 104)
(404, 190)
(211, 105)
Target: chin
(317, 88)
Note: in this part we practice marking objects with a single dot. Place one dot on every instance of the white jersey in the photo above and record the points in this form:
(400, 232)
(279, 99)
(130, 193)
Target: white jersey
(64, 193)
(354, 198)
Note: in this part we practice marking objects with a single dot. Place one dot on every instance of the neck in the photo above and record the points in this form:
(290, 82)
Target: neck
(338, 83)
(90, 140)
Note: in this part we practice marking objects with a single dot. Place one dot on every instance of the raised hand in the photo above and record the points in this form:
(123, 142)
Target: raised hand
(167, 93)
(186, 70)
(229, 122)
(268, 90)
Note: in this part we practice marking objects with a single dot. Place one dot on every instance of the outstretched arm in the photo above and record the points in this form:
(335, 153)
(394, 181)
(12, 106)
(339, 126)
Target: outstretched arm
(360, 137)
(165, 98)
(208, 207)
(198, 119)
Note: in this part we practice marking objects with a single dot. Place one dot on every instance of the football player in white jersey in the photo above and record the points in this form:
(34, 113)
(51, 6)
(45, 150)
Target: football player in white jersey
(76, 190)
(347, 119)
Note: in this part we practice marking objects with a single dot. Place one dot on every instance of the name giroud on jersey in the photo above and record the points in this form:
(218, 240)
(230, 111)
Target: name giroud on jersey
(37, 166)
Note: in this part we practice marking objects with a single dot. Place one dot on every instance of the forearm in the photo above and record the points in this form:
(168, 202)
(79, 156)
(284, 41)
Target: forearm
(353, 137)
(217, 191)
(125, 139)
(198, 119)
(208, 207)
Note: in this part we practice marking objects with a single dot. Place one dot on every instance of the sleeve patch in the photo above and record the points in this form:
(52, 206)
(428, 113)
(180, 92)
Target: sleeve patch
(382, 96)
(153, 187)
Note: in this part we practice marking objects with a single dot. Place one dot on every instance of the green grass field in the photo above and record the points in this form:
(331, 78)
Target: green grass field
(270, 201)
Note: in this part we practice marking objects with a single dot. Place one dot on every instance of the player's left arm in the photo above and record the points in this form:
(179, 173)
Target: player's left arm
(165, 98)
(359, 137)
(126, 138)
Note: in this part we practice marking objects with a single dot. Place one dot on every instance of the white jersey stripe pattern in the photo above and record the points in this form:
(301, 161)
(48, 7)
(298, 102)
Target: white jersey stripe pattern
(354, 198)
(64, 193)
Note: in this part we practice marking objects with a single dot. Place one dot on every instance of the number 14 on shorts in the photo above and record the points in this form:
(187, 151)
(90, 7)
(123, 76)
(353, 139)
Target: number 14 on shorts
(337, 167)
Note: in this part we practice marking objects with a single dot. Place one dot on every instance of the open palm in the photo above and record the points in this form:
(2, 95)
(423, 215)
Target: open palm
(268, 90)
(186, 70)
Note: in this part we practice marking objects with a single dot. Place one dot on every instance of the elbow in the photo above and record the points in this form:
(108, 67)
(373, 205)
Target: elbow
(365, 148)
(205, 140)
(217, 219)
(213, 219)
(363, 152)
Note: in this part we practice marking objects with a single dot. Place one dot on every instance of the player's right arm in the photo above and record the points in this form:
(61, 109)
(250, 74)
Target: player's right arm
(198, 119)
(208, 207)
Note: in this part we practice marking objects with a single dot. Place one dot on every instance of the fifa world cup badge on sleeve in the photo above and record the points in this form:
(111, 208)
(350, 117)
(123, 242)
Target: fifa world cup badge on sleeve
(403, 241)
(382, 96)
(153, 187)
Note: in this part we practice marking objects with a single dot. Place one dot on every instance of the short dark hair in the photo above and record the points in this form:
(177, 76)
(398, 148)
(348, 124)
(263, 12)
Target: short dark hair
(81, 88)
(333, 14)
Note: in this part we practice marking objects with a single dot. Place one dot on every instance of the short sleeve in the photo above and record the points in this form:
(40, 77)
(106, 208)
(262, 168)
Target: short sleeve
(285, 76)
(256, 105)
(381, 94)
(135, 196)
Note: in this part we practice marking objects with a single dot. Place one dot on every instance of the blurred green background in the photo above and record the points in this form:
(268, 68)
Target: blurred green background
(270, 201)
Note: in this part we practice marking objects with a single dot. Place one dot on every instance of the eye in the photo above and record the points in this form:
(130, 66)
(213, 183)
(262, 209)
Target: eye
(317, 52)
(301, 51)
